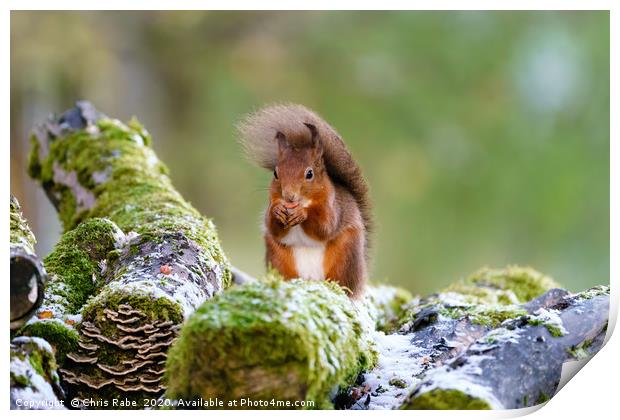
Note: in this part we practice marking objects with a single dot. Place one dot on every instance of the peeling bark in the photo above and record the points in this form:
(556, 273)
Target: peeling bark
(135, 260)
(28, 276)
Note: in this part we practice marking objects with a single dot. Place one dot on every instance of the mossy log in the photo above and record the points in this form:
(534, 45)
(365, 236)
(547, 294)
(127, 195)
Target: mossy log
(435, 330)
(270, 341)
(135, 259)
(519, 364)
(28, 276)
(220, 355)
(34, 380)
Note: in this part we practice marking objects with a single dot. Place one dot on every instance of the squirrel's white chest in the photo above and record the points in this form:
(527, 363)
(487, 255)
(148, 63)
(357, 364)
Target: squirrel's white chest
(307, 252)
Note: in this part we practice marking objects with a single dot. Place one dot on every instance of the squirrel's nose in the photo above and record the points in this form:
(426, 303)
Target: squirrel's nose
(291, 197)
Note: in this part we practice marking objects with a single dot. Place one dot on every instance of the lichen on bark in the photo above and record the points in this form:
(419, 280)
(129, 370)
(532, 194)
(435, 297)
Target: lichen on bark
(513, 365)
(296, 340)
(487, 297)
(434, 329)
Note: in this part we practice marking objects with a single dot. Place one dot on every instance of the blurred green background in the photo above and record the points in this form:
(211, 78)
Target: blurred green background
(484, 135)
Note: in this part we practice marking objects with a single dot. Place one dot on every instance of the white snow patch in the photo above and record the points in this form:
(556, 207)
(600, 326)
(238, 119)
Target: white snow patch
(123, 240)
(77, 318)
(138, 139)
(41, 343)
(152, 159)
(502, 335)
(550, 317)
(39, 392)
(93, 130)
(398, 359)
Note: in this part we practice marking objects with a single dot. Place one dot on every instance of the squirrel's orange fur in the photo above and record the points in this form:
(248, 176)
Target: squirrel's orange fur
(318, 218)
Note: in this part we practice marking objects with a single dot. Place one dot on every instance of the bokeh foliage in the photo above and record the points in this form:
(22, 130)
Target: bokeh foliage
(484, 135)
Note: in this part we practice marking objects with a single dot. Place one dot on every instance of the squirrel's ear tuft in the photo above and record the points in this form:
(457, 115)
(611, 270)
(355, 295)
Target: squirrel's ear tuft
(316, 144)
(281, 139)
(313, 131)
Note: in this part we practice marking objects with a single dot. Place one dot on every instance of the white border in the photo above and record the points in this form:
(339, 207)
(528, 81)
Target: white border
(312, 5)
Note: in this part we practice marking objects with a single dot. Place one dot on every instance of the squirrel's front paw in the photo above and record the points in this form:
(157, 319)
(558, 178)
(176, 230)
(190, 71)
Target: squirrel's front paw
(296, 216)
(279, 212)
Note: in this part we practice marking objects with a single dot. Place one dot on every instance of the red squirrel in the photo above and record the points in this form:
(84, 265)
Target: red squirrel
(318, 219)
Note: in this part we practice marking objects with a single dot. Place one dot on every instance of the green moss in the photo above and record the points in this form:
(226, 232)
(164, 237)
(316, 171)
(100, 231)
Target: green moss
(487, 297)
(593, 292)
(512, 284)
(74, 263)
(447, 399)
(398, 383)
(37, 357)
(21, 235)
(137, 127)
(580, 351)
(113, 163)
(542, 398)
(386, 305)
(472, 294)
(273, 339)
(554, 330)
(62, 338)
(36, 361)
(489, 316)
(19, 380)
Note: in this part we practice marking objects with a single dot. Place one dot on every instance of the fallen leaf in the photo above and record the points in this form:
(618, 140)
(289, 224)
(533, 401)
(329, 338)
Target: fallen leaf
(45, 314)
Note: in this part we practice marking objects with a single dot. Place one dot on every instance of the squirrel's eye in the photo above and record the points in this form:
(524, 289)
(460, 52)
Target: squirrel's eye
(275, 173)
(309, 173)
